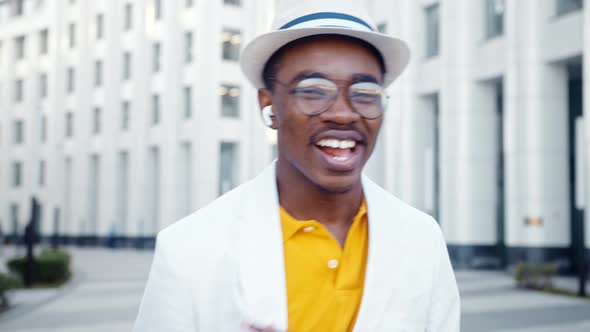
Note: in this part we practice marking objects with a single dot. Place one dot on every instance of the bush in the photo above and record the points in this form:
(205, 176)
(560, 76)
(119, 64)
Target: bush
(537, 276)
(49, 267)
(7, 282)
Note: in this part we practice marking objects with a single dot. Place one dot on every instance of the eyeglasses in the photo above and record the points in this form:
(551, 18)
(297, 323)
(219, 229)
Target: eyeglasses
(316, 95)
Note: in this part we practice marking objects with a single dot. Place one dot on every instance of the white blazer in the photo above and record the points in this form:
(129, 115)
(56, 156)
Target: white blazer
(224, 265)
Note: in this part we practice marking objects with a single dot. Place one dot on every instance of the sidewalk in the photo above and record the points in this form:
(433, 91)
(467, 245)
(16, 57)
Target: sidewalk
(108, 285)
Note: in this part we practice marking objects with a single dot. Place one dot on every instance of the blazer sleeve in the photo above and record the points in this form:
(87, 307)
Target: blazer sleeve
(445, 308)
(166, 304)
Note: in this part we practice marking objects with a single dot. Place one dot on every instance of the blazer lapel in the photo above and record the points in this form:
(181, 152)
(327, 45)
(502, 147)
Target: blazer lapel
(385, 258)
(261, 293)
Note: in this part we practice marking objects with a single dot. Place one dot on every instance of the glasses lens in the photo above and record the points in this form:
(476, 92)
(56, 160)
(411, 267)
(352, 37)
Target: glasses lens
(368, 99)
(314, 95)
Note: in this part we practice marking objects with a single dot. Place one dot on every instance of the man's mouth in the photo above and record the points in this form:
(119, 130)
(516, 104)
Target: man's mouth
(339, 154)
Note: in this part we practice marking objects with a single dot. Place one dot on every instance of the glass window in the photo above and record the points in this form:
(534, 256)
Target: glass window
(19, 132)
(188, 102)
(230, 100)
(17, 169)
(43, 134)
(98, 73)
(43, 85)
(41, 173)
(157, 9)
(188, 47)
(126, 66)
(18, 90)
(96, 120)
(568, 6)
(227, 167)
(155, 109)
(125, 115)
(69, 124)
(157, 55)
(18, 7)
(432, 30)
(233, 2)
(128, 16)
(99, 26)
(231, 40)
(44, 41)
(70, 80)
(189, 3)
(494, 18)
(72, 35)
(382, 27)
(19, 47)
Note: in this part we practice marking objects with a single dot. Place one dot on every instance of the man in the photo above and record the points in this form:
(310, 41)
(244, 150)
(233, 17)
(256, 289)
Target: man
(310, 244)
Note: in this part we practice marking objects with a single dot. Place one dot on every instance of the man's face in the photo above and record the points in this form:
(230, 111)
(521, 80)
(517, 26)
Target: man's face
(307, 143)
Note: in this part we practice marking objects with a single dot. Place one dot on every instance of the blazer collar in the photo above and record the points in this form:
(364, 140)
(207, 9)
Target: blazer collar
(262, 293)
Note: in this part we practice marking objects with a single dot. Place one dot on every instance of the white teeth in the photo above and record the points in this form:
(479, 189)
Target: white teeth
(337, 144)
(339, 158)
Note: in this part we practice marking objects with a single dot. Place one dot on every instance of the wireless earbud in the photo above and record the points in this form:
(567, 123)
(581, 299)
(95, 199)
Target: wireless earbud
(267, 115)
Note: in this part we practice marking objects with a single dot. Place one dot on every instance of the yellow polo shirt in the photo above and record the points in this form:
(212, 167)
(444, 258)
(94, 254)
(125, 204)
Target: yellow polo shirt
(324, 281)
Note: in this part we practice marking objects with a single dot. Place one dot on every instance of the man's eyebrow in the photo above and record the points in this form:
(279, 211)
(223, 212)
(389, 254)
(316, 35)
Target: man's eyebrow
(364, 78)
(305, 75)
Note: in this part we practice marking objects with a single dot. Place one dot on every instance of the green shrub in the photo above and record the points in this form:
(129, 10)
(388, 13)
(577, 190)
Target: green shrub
(538, 276)
(49, 267)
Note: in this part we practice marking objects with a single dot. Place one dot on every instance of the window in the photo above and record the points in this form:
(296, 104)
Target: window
(125, 115)
(44, 41)
(43, 85)
(18, 90)
(98, 73)
(17, 169)
(157, 54)
(41, 173)
(19, 47)
(157, 9)
(230, 100)
(99, 26)
(231, 45)
(188, 47)
(432, 30)
(233, 2)
(188, 102)
(128, 16)
(19, 132)
(189, 3)
(494, 18)
(126, 66)
(155, 109)
(70, 80)
(69, 124)
(227, 167)
(72, 35)
(382, 27)
(96, 123)
(568, 6)
(18, 7)
(43, 133)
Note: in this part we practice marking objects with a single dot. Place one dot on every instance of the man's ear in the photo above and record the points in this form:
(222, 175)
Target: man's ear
(267, 113)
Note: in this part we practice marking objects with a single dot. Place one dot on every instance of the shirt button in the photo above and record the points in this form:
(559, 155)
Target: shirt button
(309, 229)
(333, 263)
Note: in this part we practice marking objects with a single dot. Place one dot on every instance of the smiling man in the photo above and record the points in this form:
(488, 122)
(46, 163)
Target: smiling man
(310, 244)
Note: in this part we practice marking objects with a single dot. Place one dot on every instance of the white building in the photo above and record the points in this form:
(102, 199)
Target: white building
(114, 119)
(124, 116)
(486, 129)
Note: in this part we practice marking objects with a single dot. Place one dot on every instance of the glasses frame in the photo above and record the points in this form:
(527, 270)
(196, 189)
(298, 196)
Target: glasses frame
(338, 83)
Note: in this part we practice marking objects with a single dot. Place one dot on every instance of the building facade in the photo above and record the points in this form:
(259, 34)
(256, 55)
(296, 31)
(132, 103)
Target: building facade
(121, 117)
(486, 131)
(124, 116)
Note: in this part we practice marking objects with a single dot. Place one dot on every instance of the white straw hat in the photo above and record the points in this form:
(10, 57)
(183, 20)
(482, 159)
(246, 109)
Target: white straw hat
(301, 18)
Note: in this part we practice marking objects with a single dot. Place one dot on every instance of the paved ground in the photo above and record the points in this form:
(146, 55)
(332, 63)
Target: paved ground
(107, 289)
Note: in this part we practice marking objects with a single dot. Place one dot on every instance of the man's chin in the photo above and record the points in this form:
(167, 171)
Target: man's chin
(339, 184)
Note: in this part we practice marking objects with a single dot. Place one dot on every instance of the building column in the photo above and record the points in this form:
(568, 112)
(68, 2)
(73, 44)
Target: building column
(537, 210)
(586, 105)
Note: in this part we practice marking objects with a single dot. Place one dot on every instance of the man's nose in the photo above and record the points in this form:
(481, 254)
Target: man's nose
(341, 110)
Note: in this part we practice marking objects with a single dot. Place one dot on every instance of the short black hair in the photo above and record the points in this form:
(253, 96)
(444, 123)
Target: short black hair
(271, 67)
